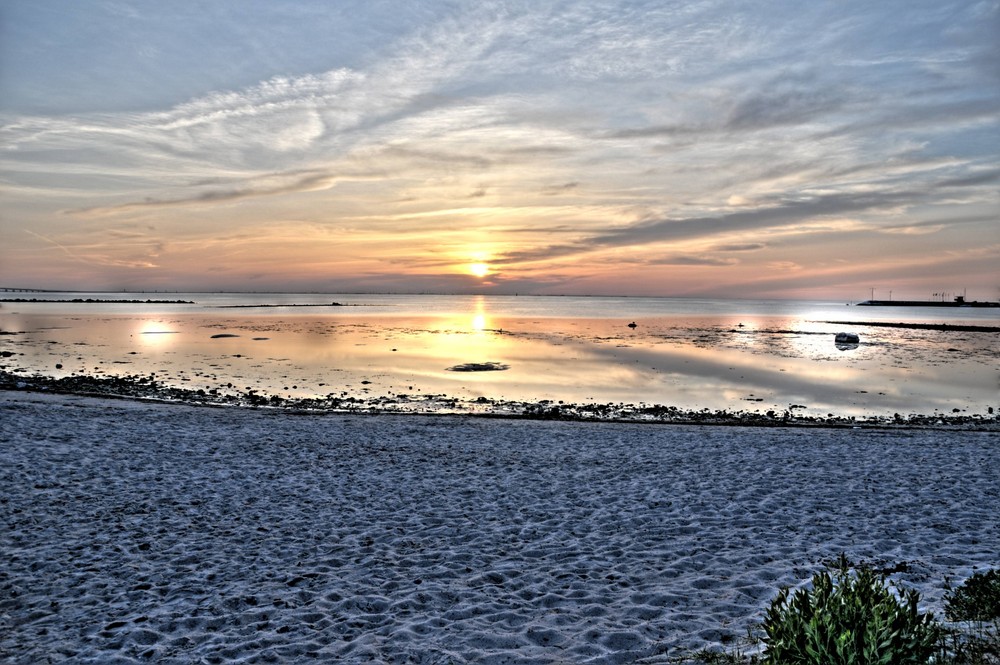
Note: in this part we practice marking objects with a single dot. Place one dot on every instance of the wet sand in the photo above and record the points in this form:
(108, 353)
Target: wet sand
(138, 532)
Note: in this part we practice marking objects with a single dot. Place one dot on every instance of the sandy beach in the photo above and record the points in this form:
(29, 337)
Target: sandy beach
(140, 532)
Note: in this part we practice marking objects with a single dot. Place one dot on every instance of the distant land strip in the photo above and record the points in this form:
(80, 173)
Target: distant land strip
(101, 300)
(919, 326)
(321, 304)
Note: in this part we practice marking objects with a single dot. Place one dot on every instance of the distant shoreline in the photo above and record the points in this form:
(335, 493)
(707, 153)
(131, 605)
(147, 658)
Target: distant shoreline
(927, 303)
(942, 327)
(319, 304)
(100, 301)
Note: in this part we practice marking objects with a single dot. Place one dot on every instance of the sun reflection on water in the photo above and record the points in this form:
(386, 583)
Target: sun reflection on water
(155, 334)
(480, 320)
(701, 361)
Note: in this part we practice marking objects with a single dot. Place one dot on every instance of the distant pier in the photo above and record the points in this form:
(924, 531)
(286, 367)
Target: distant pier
(12, 289)
(957, 302)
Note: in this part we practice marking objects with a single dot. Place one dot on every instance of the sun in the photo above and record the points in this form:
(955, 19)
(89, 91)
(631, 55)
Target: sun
(479, 269)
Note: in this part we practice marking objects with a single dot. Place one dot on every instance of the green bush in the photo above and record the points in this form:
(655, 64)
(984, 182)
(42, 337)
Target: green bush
(851, 618)
(975, 603)
(977, 599)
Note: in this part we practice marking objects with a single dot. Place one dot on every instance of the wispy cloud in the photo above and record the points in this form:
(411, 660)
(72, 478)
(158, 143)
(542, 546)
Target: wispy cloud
(783, 214)
(690, 260)
(269, 185)
(742, 247)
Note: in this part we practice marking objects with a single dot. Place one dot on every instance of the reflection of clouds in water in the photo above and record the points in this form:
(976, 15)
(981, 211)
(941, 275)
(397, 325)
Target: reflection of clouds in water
(796, 363)
(713, 376)
(705, 362)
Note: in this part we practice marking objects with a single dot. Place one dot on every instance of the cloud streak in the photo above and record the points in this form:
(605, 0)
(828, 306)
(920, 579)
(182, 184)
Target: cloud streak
(785, 214)
(271, 185)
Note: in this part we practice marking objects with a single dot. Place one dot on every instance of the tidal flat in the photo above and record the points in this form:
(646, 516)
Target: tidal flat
(758, 363)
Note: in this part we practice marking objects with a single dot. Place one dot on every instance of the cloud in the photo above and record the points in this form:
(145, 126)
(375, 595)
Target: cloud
(915, 273)
(692, 260)
(784, 102)
(556, 190)
(65, 250)
(265, 186)
(741, 247)
(438, 157)
(934, 116)
(655, 131)
(783, 214)
(269, 124)
(974, 179)
(935, 224)
(131, 250)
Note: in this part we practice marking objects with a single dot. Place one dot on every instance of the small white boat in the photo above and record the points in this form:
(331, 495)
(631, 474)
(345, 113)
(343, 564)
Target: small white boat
(847, 338)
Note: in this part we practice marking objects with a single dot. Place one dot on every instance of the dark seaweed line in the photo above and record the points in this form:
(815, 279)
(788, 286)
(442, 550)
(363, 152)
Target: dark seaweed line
(145, 388)
(944, 327)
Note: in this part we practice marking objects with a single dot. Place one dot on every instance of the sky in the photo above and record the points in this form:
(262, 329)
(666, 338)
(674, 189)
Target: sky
(704, 148)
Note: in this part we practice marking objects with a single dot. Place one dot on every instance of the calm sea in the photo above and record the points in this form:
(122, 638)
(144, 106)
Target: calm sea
(748, 355)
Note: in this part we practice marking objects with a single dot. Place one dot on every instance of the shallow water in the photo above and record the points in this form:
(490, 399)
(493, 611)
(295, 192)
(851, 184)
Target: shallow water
(404, 350)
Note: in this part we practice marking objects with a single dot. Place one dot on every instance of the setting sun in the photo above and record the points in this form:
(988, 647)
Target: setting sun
(479, 269)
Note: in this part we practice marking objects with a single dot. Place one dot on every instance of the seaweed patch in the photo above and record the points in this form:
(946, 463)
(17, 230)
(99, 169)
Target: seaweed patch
(479, 367)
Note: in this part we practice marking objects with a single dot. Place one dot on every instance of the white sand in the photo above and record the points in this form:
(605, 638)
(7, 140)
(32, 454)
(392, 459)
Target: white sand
(133, 532)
